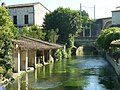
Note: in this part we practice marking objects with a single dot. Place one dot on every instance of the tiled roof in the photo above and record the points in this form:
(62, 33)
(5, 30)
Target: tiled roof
(31, 43)
(26, 5)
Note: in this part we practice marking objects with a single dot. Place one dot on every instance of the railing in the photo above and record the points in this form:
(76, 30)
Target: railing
(85, 41)
(91, 39)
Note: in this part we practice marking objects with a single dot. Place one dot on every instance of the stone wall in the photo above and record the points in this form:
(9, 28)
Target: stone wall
(115, 65)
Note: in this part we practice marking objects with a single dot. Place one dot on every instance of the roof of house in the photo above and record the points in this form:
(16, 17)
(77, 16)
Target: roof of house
(115, 43)
(31, 43)
(26, 5)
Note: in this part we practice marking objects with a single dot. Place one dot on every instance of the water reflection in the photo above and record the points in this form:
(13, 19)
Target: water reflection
(2, 88)
(79, 73)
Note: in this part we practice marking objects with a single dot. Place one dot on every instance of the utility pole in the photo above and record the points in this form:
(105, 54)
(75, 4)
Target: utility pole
(81, 15)
(94, 12)
(80, 9)
(90, 30)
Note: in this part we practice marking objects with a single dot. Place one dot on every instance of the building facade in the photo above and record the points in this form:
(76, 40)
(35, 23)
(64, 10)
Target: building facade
(27, 14)
(116, 17)
(101, 24)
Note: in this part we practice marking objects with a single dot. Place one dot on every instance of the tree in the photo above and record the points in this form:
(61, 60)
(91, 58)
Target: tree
(34, 32)
(107, 36)
(52, 36)
(86, 23)
(7, 33)
(66, 20)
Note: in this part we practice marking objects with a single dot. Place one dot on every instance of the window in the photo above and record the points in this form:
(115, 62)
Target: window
(26, 19)
(15, 19)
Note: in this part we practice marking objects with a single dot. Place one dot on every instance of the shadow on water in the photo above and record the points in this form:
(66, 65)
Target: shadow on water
(79, 73)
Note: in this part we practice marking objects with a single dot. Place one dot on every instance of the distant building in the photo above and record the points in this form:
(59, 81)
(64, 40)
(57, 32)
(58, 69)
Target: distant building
(116, 17)
(100, 24)
(27, 14)
(97, 26)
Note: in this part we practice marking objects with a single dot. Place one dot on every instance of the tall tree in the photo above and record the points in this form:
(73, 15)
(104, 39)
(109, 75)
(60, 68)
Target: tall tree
(66, 20)
(7, 33)
(86, 22)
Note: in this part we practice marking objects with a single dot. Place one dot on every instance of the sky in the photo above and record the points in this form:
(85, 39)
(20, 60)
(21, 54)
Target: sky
(103, 8)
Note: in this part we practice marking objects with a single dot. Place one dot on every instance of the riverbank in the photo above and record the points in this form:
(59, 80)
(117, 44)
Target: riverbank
(12, 77)
(15, 76)
(115, 65)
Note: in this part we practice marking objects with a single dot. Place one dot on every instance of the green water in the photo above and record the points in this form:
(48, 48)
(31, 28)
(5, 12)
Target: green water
(79, 73)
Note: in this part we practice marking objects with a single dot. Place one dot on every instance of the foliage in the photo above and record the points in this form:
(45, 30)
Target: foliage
(34, 32)
(86, 23)
(7, 33)
(2, 70)
(58, 54)
(107, 36)
(85, 19)
(70, 45)
(66, 20)
(52, 36)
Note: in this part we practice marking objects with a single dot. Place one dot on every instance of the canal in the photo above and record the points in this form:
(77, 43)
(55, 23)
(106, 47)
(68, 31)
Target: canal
(79, 73)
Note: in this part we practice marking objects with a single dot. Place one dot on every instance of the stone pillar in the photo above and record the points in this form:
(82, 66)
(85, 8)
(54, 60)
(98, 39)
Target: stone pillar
(18, 62)
(26, 61)
(16, 57)
(35, 60)
(23, 60)
(83, 32)
(50, 57)
(43, 57)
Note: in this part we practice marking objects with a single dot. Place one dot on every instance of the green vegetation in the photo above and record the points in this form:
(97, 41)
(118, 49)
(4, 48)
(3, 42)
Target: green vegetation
(65, 20)
(34, 32)
(7, 33)
(52, 35)
(68, 24)
(107, 36)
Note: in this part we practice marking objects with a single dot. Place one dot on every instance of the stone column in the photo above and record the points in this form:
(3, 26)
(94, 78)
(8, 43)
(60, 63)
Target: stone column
(26, 61)
(35, 60)
(18, 62)
(83, 32)
(43, 57)
(50, 57)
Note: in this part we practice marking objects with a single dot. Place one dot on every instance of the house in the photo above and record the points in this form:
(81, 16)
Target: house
(116, 16)
(28, 52)
(27, 14)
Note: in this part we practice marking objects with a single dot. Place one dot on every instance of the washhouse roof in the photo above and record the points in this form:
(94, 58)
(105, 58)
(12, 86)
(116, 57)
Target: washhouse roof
(32, 43)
